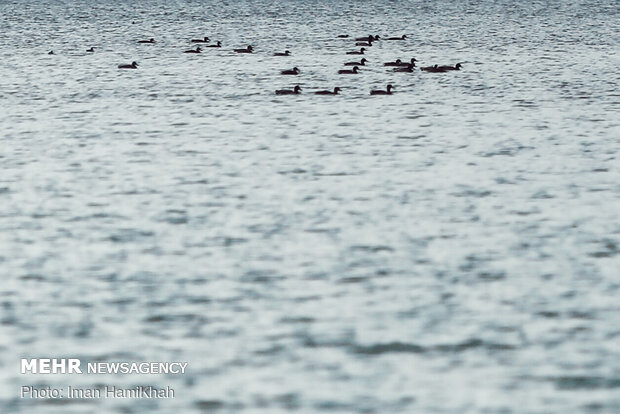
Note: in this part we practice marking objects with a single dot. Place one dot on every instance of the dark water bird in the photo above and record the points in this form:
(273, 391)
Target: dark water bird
(286, 53)
(448, 67)
(133, 65)
(203, 40)
(397, 62)
(388, 91)
(197, 50)
(361, 52)
(335, 92)
(403, 37)
(349, 72)
(288, 91)
(151, 40)
(432, 69)
(294, 71)
(342, 36)
(412, 62)
(364, 43)
(249, 49)
(360, 63)
(428, 68)
(218, 44)
(408, 68)
(51, 52)
(91, 50)
(369, 38)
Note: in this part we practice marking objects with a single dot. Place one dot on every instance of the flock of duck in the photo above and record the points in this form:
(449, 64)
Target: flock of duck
(363, 42)
(367, 41)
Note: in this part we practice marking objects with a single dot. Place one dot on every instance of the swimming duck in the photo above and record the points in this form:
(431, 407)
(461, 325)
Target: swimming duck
(412, 62)
(133, 65)
(360, 63)
(361, 52)
(197, 50)
(247, 50)
(335, 92)
(398, 62)
(91, 50)
(408, 68)
(342, 36)
(294, 71)
(448, 67)
(349, 72)
(151, 40)
(203, 40)
(403, 37)
(388, 91)
(51, 52)
(368, 38)
(218, 44)
(288, 91)
(433, 69)
(369, 43)
(286, 53)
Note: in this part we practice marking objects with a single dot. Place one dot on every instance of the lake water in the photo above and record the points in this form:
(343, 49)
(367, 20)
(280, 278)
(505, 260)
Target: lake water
(451, 248)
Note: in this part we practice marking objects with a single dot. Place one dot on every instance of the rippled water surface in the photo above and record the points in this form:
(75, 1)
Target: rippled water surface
(452, 248)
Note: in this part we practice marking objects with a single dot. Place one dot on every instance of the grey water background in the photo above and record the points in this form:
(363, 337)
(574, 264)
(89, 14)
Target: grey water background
(452, 248)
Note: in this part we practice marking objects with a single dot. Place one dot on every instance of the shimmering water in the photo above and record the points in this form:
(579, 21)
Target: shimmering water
(452, 248)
